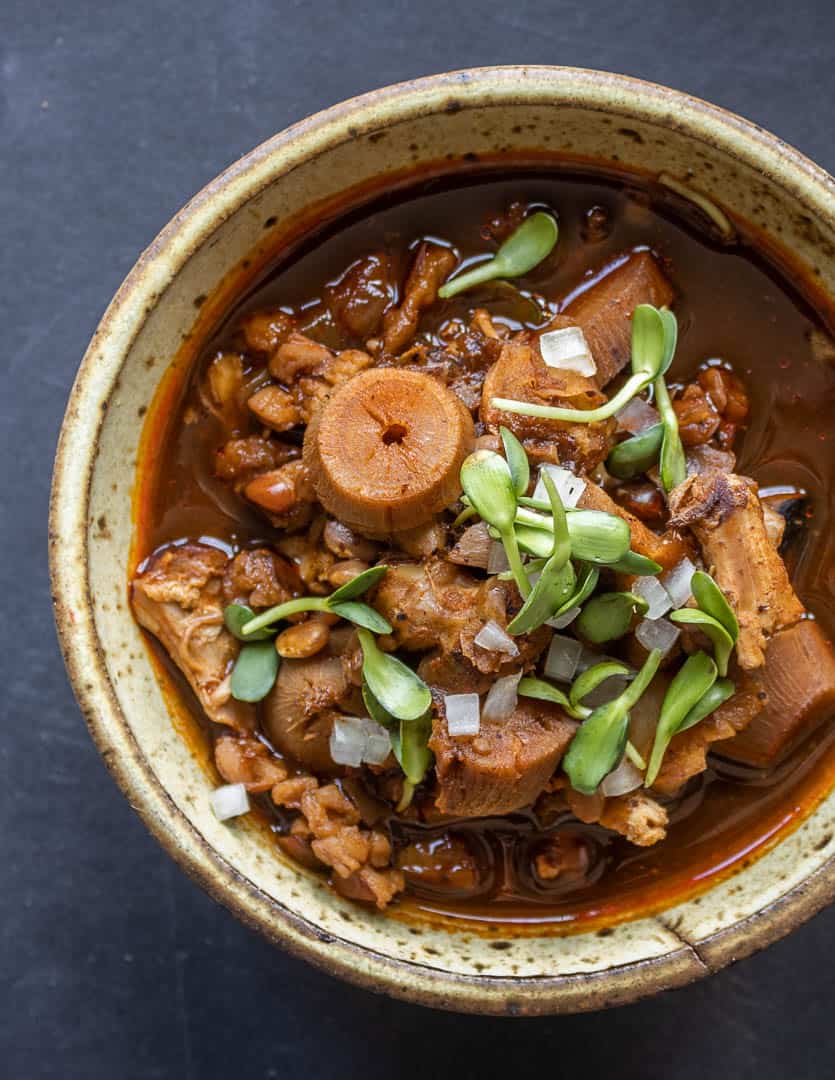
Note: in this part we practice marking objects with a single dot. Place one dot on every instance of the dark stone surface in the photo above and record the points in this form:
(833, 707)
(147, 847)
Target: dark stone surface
(112, 964)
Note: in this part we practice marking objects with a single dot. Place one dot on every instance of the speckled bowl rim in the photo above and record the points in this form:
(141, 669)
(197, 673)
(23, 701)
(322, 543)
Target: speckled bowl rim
(614, 94)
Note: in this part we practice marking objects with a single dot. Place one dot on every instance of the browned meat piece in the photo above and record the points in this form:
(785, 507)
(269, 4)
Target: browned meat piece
(706, 459)
(241, 459)
(298, 355)
(796, 690)
(345, 544)
(264, 331)
(636, 815)
(438, 605)
(432, 266)
(178, 598)
(275, 408)
(698, 418)
(728, 394)
(505, 766)
(310, 371)
(260, 578)
(225, 381)
(604, 310)
(775, 525)
(725, 515)
(245, 760)
(521, 374)
(359, 299)
(643, 500)
(666, 550)
(445, 672)
(299, 711)
(286, 494)
(332, 826)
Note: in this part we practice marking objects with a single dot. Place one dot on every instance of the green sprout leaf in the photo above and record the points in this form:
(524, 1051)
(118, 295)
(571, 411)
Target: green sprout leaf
(587, 578)
(524, 249)
(488, 484)
(672, 465)
(376, 710)
(719, 637)
(234, 617)
(517, 461)
(592, 677)
(693, 680)
(557, 578)
(595, 536)
(358, 585)
(634, 456)
(410, 745)
(608, 616)
(541, 690)
(637, 565)
(361, 615)
(254, 672)
(601, 739)
(717, 695)
(396, 687)
(712, 600)
(649, 343)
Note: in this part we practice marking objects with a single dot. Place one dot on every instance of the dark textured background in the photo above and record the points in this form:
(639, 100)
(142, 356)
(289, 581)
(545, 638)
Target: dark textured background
(112, 964)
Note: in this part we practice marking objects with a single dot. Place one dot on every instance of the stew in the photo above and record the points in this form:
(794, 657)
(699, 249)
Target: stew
(490, 543)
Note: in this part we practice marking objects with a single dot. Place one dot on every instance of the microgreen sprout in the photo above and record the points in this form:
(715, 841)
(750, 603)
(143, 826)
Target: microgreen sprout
(649, 352)
(524, 249)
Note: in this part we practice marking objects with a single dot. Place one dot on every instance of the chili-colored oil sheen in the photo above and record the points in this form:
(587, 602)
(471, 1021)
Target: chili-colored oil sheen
(732, 305)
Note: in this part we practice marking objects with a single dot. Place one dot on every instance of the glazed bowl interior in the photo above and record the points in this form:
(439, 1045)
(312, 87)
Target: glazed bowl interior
(455, 119)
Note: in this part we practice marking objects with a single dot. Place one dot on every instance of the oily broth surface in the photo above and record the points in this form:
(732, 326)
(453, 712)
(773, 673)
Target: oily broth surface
(731, 306)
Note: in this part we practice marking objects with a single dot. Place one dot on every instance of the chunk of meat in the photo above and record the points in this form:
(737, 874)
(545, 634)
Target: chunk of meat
(260, 578)
(604, 310)
(178, 598)
(299, 711)
(264, 331)
(666, 550)
(241, 459)
(707, 459)
(521, 374)
(310, 371)
(432, 266)
(298, 355)
(358, 300)
(286, 494)
(724, 512)
(505, 766)
(275, 408)
(438, 605)
(796, 688)
(636, 815)
(245, 760)
(331, 825)
(698, 418)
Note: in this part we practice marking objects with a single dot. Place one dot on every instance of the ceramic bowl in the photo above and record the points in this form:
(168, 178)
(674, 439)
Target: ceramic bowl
(232, 223)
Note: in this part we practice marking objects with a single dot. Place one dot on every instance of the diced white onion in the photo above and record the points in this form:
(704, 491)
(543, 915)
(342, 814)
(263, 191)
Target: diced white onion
(657, 634)
(561, 621)
(497, 559)
(473, 548)
(568, 350)
(562, 658)
(655, 594)
(462, 714)
(502, 698)
(229, 801)
(588, 658)
(636, 416)
(493, 637)
(677, 582)
(358, 739)
(569, 487)
(621, 780)
(377, 745)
